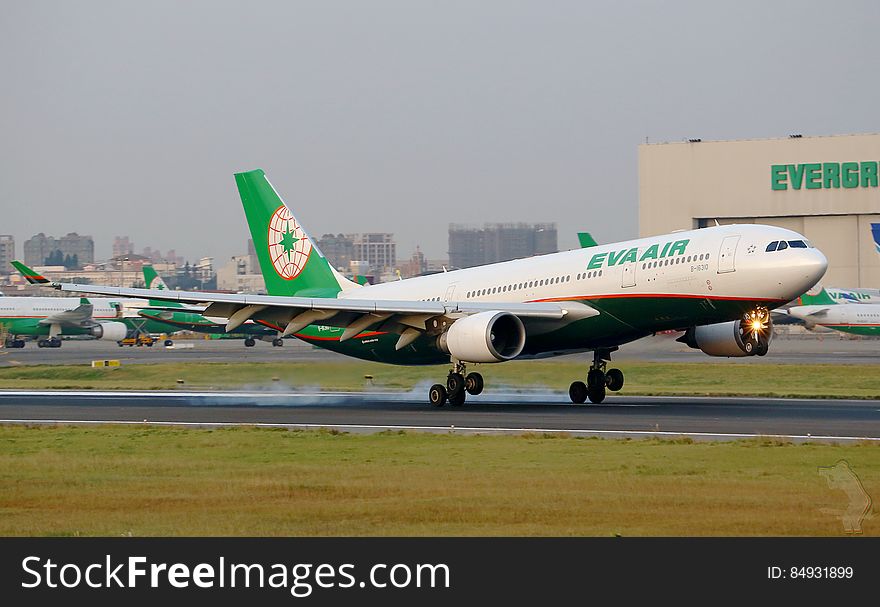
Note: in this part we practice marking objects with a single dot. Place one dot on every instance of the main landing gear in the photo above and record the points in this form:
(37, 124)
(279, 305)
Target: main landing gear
(458, 386)
(249, 342)
(598, 379)
(52, 342)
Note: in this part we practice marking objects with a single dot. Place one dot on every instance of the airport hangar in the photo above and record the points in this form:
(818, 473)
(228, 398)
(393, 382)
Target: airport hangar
(825, 188)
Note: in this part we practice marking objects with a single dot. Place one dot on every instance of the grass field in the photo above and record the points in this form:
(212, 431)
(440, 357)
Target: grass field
(833, 381)
(166, 481)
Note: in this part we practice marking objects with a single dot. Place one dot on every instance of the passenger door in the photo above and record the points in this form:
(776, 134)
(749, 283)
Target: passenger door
(450, 291)
(628, 278)
(727, 254)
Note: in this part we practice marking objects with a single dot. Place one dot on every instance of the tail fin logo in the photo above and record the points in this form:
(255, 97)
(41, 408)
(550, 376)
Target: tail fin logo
(289, 248)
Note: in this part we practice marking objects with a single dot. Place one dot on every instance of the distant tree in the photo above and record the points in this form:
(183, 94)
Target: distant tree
(55, 258)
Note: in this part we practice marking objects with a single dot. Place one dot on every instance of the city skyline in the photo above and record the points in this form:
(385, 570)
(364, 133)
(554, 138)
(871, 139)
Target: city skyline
(416, 115)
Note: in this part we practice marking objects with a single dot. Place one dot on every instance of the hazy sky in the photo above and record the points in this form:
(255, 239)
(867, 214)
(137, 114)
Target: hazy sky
(129, 118)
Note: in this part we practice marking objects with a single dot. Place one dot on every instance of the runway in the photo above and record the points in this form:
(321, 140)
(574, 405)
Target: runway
(619, 416)
(808, 348)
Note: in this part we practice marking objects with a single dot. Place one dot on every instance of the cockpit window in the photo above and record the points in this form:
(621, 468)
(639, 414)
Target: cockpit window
(772, 246)
(782, 245)
(797, 244)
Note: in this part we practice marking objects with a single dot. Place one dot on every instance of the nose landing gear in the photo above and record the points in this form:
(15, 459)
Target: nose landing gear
(458, 386)
(598, 379)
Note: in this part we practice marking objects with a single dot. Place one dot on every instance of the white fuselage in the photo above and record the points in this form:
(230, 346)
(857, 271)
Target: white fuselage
(838, 315)
(42, 307)
(719, 262)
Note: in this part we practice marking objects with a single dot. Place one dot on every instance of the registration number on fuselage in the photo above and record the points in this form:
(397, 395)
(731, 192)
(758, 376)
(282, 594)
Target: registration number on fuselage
(700, 267)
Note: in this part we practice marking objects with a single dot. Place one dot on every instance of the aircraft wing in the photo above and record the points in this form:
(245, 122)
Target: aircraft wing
(80, 316)
(292, 314)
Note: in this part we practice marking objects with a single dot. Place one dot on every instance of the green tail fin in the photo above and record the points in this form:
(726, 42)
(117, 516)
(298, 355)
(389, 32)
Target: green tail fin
(289, 259)
(817, 296)
(29, 275)
(152, 280)
(586, 240)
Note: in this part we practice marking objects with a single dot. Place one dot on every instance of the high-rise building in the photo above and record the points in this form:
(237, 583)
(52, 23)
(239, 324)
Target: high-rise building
(471, 246)
(338, 249)
(376, 248)
(40, 248)
(7, 253)
(122, 245)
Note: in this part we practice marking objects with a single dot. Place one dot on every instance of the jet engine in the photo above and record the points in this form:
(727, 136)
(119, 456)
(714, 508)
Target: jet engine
(746, 337)
(486, 337)
(113, 331)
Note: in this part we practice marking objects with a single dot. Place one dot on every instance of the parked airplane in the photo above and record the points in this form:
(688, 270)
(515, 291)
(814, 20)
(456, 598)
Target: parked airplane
(47, 332)
(717, 283)
(193, 319)
(820, 310)
(48, 318)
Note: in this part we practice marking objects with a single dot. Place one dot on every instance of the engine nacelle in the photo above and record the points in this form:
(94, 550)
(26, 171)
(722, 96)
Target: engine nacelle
(486, 337)
(734, 338)
(114, 331)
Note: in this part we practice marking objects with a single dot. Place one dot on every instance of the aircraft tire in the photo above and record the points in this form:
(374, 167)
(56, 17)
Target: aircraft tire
(473, 383)
(577, 392)
(437, 395)
(614, 379)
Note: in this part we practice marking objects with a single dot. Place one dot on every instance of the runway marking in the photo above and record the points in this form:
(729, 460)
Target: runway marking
(468, 429)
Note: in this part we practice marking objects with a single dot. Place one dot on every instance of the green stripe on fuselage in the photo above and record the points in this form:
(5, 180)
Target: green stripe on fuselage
(621, 320)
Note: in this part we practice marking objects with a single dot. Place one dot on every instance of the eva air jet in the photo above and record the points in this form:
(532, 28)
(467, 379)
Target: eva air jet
(46, 319)
(718, 284)
(819, 309)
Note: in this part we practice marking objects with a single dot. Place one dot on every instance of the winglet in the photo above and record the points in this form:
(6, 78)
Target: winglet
(30, 275)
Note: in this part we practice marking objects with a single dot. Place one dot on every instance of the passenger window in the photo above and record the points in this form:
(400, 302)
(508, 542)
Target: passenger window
(782, 245)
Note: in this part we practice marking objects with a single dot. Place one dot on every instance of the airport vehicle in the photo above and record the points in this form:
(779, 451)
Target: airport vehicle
(141, 339)
(818, 309)
(717, 284)
(47, 319)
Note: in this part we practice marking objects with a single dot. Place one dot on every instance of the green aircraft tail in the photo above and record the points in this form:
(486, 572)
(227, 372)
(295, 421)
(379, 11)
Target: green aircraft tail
(289, 259)
(30, 275)
(586, 240)
(152, 280)
(816, 296)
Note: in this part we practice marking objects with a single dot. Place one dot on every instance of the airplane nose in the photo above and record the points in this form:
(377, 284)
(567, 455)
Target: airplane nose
(817, 264)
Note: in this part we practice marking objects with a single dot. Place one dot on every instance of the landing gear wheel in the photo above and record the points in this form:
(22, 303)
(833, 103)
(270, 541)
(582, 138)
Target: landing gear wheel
(454, 383)
(577, 392)
(41, 343)
(614, 379)
(749, 348)
(473, 383)
(596, 395)
(457, 399)
(595, 379)
(277, 342)
(437, 395)
(168, 342)
(762, 348)
(249, 342)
